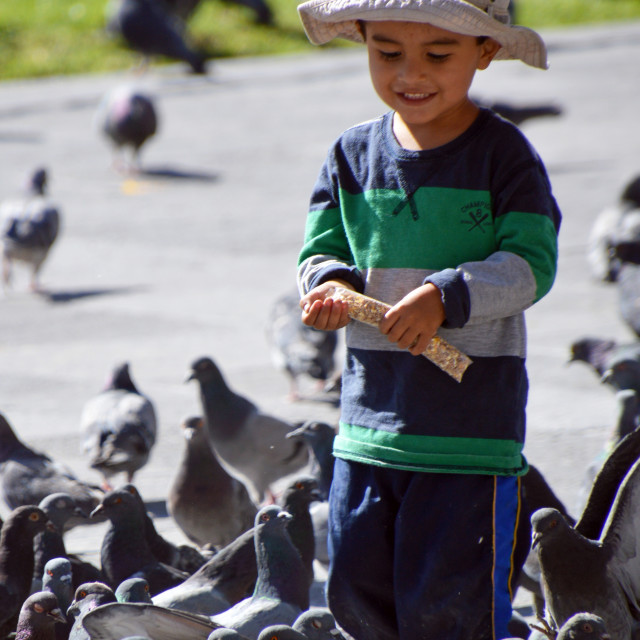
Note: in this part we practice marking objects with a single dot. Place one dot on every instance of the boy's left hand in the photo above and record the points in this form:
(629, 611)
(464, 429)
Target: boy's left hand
(412, 322)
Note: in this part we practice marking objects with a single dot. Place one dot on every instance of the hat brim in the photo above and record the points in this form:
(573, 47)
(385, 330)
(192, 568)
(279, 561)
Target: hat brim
(324, 20)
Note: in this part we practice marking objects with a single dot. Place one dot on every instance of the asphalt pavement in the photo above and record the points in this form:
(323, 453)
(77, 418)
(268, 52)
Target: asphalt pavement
(185, 259)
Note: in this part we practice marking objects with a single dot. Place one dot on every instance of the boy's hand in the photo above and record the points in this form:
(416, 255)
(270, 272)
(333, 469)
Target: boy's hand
(412, 322)
(324, 313)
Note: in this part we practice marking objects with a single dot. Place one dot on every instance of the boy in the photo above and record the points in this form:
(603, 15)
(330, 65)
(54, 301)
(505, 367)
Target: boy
(444, 211)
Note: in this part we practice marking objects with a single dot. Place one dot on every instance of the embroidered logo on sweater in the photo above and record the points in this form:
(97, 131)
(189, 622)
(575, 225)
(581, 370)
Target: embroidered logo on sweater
(477, 217)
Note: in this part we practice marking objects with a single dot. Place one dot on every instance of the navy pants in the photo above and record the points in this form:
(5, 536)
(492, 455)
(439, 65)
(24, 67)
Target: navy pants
(421, 555)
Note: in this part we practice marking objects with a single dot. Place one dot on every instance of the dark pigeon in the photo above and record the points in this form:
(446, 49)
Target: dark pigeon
(118, 427)
(182, 557)
(281, 592)
(61, 509)
(210, 506)
(29, 226)
(128, 118)
(16, 561)
(252, 442)
(39, 615)
(125, 552)
(88, 596)
(133, 590)
(147, 27)
(27, 476)
(136, 619)
(184, 8)
(298, 350)
(595, 573)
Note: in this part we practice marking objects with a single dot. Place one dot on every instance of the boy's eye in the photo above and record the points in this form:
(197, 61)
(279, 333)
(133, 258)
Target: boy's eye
(389, 55)
(437, 57)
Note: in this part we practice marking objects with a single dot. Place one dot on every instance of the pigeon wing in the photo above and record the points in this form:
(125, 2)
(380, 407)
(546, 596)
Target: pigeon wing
(120, 620)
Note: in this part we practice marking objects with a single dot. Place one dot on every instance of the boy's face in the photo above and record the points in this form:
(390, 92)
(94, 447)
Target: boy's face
(424, 73)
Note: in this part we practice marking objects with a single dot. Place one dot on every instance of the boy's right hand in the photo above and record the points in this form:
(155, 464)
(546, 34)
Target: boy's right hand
(322, 312)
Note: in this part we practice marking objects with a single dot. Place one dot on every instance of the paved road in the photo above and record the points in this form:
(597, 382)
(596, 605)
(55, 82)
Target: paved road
(186, 259)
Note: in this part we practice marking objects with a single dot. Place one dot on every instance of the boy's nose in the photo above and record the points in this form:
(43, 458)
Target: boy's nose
(413, 69)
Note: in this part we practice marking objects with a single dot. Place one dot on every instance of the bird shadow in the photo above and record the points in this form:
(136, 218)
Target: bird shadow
(178, 174)
(77, 294)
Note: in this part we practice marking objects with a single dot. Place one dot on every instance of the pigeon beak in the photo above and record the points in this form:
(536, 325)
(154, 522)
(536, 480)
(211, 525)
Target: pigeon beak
(535, 540)
(297, 432)
(73, 610)
(97, 511)
(57, 615)
(285, 515)
(190, 376)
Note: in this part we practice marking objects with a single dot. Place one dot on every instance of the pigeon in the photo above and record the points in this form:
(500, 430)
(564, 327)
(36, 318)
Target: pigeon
(128, 118)
(184, 8)
(26, 476)
(226, 634)
(29, 226)
(60, 508)
(226, 579)
(182, 557)
(87, 597)
(319, 436)
(596, 352)
(281, 632)
(147, 27)
(584, 626)
(118, 427)
(318, 623)
(281, 592)
(250, 441)
(603, 262)
(211, 506)
(125, 552)
(133, 590)
(296, 501)
(38, 617)
(595, 573)
(115, 621)
(297, 349)
(57, 579)
(16, 561)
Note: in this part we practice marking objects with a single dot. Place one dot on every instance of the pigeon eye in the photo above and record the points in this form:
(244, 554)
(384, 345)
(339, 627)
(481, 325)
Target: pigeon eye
(146, 588)
(82, 594)
(264, 517)
(299, 485)
(34, 517)
(587, 628)
(38, 608)
(117, 501)
(49, 572)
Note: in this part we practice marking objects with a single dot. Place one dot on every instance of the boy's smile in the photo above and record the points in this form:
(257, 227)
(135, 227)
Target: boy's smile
(424, 73)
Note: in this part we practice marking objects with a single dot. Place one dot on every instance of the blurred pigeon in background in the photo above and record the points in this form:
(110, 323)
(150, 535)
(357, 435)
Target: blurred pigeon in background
(16, 561)
(183, 9)
(599, 353)
(28, 228)
(281, 592)
(27, 477)
(208, 504)
(128, 118)
(148, 27)
(38, 617)
(298, 350)
(519, 114)
(252, 442)
(118, 427)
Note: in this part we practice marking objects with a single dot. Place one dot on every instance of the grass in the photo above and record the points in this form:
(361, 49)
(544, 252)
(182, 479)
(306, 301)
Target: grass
(52, 37)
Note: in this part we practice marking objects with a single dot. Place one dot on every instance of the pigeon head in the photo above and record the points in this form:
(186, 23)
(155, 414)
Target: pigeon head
(89, 596)
(302, 491)
(631, 193)
(545, 524)
(623, 374)
(60, 507)
(26, 521)
(39, 611)
(584, 626)
(38, 181)
(193, 427)
(120, 378)
(272, 516)
(589, 349)
(119, 504)
(280, 632)
(204, 370)
(57, 569)
(133, 590)
(8, 439)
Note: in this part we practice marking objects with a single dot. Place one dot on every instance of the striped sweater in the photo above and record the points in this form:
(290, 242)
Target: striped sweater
(476, 217)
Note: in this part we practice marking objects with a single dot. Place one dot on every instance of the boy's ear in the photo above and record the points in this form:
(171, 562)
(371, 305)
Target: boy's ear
(488, 50)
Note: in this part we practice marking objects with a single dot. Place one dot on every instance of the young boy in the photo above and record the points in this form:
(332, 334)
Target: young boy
(444, 211)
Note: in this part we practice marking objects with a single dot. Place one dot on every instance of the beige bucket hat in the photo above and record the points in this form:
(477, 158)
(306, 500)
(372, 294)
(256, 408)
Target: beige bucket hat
(324, 20)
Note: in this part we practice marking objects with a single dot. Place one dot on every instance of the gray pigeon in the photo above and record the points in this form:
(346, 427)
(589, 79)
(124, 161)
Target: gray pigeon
(61, 509)
(16, 561)
(281, 632)
(208, 504)
(281, 592)
(27, 476)
(118, 427)
(128, 118)
(28, 228)
(226, 634)
(147, 27)
(57, 579)
(584, 626)
(600, 575)
(133, 590)
(125, 552)
(298, 350)
(318, 623)
(252, 442)
(38, 616)
(88, 596)
(126, 619)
